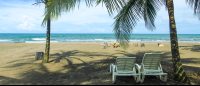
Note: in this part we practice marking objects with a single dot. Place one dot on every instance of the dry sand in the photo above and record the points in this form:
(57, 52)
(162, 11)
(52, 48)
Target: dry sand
(86, 63)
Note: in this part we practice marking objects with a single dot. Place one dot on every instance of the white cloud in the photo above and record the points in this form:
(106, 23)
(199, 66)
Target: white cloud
(27, 23)
(5, 29)
(84, 15)
(73, 30)
(97, 30)
(28, 18)
(26, 26)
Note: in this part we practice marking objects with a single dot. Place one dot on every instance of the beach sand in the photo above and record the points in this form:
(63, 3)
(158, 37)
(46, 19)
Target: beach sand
(87, 63)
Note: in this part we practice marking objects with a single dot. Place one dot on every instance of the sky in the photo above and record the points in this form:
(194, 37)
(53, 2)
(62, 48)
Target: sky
(20, 16)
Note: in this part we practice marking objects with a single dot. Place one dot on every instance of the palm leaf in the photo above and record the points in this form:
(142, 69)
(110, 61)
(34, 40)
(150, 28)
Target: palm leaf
(112, 5)
(150, 9)
(196, 6)
(130, 14)
(56, 7)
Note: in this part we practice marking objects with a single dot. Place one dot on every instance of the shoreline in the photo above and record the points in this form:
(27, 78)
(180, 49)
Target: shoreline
(96, 42)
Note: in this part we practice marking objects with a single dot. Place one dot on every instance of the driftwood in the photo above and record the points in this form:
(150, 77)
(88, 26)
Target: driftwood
(160, 44)
(142, 45)
(39, 55)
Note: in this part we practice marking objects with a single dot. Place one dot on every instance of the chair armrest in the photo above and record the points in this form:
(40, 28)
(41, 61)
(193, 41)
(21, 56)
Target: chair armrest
(137, 67)
(113, 68)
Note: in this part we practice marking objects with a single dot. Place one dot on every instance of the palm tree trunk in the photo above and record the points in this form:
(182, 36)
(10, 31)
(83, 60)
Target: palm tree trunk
(179, 72)
(47, 48)
(46, 55)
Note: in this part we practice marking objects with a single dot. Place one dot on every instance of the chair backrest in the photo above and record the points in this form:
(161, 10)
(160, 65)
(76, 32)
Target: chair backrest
(151, 61)
(125, 63)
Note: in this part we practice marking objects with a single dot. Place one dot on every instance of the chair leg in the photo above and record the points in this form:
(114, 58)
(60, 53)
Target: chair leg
(137, 78)
(163, 78)
(142, 78)
(113, 78)
(111, 67)
(137, 71)
(113, 74)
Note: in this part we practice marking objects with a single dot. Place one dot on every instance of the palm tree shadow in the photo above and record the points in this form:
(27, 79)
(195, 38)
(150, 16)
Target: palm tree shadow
(194, 48)
(91, 72)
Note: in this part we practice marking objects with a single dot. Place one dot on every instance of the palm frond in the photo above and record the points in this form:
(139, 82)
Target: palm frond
(56, 7)
(149, 13)
(125, 20)
(195, 4)
(112, 5)
(164, 2)
(130, 14)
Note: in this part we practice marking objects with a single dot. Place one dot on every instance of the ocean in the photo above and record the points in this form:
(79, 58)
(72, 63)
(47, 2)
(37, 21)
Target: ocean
(72, 38)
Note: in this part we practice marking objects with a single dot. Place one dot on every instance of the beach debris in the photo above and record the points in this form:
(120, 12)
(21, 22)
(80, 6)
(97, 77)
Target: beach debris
(160, 44)
(109, 44)
(106, 44)
(103, 46)
(115, 45)
(142, 45)
(39, 55)
(135, 44)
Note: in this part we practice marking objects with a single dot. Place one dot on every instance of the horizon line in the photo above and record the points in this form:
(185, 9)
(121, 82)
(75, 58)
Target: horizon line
(91, 33)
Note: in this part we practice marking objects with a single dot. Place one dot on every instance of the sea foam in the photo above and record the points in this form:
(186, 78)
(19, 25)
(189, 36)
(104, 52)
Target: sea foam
(38, 39)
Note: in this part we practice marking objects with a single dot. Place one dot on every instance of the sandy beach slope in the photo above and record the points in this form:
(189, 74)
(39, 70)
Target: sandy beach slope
(86, 63)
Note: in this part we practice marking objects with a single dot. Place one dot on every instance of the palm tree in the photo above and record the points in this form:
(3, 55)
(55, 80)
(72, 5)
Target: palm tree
(71, 5)
(47, 48)
(129, 13)
(128, 17)
(179, 72)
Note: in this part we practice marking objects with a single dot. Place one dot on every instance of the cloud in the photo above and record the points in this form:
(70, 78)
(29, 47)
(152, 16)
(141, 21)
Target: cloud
(28, 18)
(27, 24)
(6, 15)
(73, 30)
(84, 15)
(97, 30)
(5, 29)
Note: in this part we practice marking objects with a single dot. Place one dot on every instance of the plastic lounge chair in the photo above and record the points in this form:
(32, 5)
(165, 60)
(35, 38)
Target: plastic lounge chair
(151, 66)
(125, 66)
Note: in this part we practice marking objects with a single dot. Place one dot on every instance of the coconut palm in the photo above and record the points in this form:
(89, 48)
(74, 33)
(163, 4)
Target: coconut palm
(47, 48)
(179, 72)
(71, 5)
(129, 13)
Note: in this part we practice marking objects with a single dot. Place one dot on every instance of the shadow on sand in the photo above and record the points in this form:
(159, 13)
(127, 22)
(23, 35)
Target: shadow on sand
(90, 72)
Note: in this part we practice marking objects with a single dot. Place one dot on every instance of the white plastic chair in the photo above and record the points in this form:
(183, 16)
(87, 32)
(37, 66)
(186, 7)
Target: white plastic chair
(125, 66)
(151, 66)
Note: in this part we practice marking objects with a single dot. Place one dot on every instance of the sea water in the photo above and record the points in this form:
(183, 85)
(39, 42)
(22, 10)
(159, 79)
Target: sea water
(72, 38)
